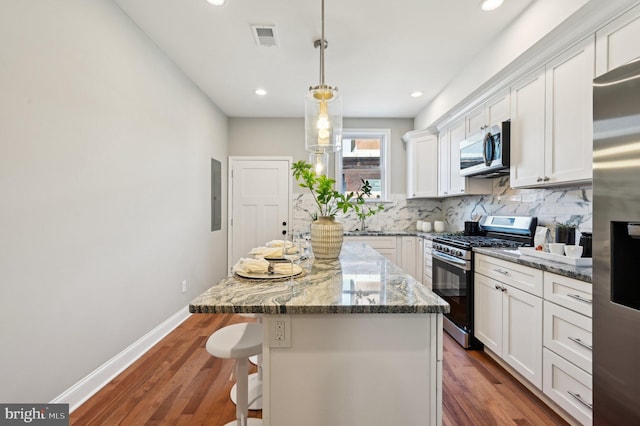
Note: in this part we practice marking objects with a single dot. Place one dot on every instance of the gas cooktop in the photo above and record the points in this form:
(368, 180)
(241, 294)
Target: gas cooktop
(496, 231)
(468, 241)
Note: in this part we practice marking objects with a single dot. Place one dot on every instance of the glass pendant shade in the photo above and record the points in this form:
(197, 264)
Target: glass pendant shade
(323, 119)
(320, 162)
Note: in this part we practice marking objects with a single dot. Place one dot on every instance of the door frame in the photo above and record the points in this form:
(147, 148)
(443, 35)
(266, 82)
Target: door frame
(238, 158)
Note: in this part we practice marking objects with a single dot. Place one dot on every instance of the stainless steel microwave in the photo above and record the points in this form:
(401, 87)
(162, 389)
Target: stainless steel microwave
(487, 154)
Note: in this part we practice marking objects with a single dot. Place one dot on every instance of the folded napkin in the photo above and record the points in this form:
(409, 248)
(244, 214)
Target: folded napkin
(279, 243)
(261, 266)
(272, 252)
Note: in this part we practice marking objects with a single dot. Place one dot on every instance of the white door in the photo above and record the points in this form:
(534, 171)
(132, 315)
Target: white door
(259, 202)
(522, 333)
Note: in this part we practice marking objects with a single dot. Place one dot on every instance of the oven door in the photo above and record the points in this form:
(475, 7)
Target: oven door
(452, 280)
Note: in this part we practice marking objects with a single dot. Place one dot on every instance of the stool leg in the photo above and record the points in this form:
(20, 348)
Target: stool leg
(242, 389)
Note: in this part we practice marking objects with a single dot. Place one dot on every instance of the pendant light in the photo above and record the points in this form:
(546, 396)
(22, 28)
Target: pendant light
(323, 111)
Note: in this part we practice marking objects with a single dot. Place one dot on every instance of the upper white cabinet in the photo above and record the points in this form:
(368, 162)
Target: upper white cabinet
(492, 112)
(450, 182)
(617, 43)
(422, 165)
(551, 121)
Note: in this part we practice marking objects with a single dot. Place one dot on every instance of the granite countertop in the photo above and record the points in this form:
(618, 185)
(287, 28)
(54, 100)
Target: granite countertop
(582, 273)
(360, 281)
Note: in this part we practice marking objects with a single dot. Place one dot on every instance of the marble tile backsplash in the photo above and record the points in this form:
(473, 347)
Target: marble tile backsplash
(572, 204)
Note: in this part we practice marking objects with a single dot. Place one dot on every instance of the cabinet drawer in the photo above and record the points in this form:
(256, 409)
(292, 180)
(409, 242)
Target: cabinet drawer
(519, 276)
(569, 335)
(568, 386)
(376, 242)
(568, 292)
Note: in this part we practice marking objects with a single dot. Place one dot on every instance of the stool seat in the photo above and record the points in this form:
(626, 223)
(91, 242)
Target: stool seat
(236, 341)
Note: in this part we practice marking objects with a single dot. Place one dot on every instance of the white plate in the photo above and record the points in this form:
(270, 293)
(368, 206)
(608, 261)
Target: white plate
(576, 261)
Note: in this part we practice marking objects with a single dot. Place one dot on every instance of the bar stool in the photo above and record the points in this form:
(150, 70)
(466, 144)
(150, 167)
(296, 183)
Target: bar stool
(255, 379)
(239, 342)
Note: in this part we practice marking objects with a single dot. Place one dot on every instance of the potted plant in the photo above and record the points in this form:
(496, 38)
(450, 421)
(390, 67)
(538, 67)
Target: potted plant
(326, 231)
(566, 233)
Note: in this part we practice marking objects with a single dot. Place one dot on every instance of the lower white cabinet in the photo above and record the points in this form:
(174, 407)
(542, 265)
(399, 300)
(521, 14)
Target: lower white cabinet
(568, 386)
(509, 322)
(427, 265)
(411, 258)
(567, 360)
(568, 334)
(547, 340)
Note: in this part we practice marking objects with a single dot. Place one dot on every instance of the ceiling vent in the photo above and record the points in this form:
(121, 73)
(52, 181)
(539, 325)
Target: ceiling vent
(265, 35)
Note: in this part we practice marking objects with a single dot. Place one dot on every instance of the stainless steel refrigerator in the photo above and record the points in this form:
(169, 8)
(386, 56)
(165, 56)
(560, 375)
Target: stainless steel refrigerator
(616, 246)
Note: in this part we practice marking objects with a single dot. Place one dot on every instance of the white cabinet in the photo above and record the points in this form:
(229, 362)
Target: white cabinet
(450, 182)
(411, 257)
(617, 43)
(568, 386)
(492, 112)
(507, 319)
(427, 265)
(552, 119)
(422, 165)
(568, 334)
(567, 355)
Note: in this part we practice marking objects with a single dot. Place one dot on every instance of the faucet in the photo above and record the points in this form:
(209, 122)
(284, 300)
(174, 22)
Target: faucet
(363, 225)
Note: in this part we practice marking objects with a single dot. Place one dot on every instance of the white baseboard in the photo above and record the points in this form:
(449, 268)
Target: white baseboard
(77, 394)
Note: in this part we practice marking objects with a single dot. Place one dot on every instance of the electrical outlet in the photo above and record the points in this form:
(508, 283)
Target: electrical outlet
(184, 286)
(280, 332)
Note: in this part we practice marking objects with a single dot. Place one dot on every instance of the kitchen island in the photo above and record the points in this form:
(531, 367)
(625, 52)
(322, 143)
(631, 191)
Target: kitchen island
(359, 342)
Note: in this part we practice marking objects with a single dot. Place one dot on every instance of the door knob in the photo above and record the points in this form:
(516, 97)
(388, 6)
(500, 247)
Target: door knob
(284, 232)
(284, 223)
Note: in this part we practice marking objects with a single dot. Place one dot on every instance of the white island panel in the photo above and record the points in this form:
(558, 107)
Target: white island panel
(346, 370)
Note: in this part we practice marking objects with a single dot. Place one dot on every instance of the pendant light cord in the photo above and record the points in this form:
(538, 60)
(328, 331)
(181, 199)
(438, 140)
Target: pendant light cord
(322, 43)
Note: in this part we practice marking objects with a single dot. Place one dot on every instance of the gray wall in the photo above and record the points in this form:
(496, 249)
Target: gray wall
(285, 136)
(105, 151)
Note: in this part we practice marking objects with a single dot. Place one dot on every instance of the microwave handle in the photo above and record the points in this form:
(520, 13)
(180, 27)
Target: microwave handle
(488, 139)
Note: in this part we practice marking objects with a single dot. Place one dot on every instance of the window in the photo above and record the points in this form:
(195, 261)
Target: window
(364, 156)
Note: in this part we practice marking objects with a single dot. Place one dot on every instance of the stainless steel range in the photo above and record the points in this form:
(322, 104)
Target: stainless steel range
(453, 267)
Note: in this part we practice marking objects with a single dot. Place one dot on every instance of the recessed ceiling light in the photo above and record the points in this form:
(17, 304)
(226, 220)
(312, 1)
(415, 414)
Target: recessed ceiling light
(217, 2)
(416, 94)
(488, 5)
(260, 92)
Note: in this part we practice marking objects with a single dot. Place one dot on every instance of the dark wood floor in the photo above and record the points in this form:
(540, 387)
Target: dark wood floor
(178, 383)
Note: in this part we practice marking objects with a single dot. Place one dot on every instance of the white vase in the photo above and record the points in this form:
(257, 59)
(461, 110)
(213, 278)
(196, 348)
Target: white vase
(326, 237)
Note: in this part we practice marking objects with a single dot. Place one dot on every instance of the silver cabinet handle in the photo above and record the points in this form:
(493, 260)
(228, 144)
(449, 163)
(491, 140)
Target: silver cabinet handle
(580, 400)
(580, 342)
(546, 178)
(580, 298)
(498, 287)
(539, 179)
(502, 271)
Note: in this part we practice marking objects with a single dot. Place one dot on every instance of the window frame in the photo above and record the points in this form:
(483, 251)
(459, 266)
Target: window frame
(385, 137)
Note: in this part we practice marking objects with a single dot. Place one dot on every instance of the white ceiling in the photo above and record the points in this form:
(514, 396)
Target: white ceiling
(379, 52)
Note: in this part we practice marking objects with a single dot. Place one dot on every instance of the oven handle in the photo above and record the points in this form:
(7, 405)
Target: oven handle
(450, 260)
